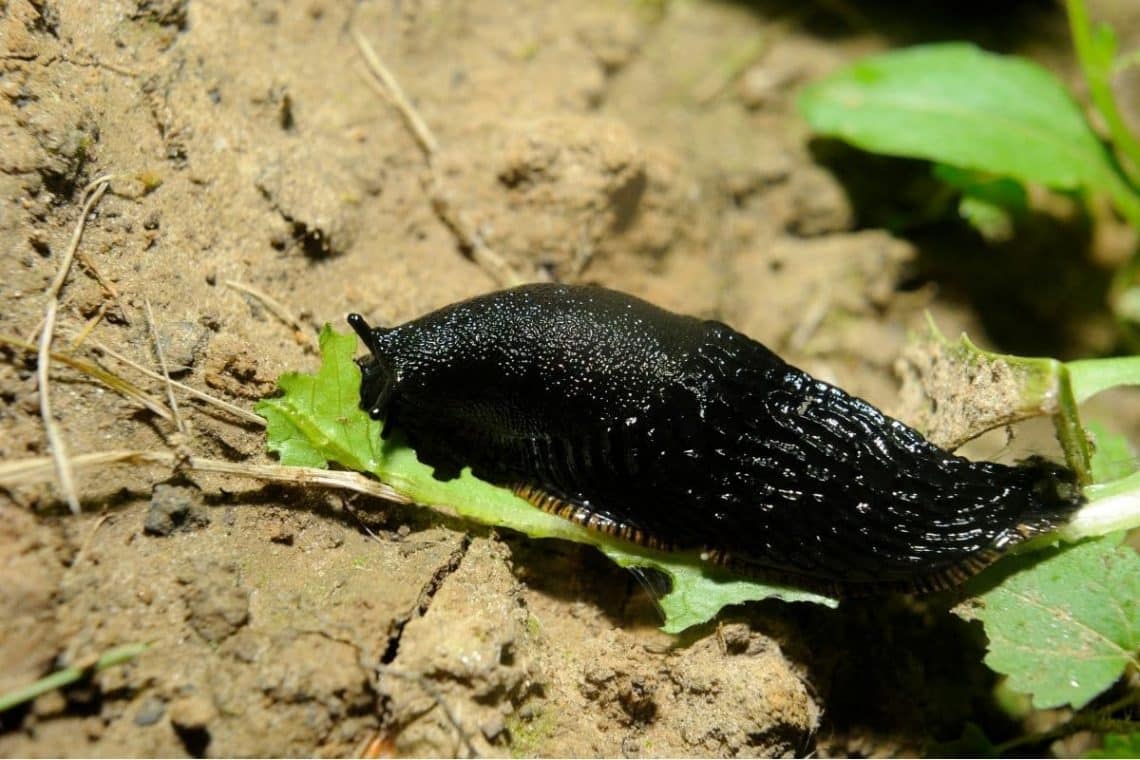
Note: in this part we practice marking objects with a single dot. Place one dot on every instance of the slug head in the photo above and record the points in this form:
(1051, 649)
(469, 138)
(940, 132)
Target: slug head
(377, 381)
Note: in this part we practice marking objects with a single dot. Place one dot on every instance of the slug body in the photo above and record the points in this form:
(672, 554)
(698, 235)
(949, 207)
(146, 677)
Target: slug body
(681, 433)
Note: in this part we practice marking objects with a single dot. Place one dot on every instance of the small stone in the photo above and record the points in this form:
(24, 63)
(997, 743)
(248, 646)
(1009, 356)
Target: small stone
(182, 344)
(192, 712)
(492, 727)
(218, 612)
(283, 536)
(758, 86)
(150, 712)
(174, 508)
(636, 699)
(191, 717)
(94, 728)
(51, 703)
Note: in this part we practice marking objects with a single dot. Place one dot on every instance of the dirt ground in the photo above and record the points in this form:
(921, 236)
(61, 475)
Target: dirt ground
(650, 146)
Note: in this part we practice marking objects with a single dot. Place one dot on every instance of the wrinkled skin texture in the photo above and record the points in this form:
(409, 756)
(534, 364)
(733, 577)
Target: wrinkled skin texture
(682, 433)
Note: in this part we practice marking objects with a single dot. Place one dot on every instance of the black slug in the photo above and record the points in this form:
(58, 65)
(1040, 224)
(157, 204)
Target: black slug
(681, 433)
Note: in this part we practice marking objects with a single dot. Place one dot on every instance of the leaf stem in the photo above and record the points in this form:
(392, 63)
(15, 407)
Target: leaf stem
(1100, 721)
(61, 678)
(1070, 432)
(1112, 506)
(1097, 66)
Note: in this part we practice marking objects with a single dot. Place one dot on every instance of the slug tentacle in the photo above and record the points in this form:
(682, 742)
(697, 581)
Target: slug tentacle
(680, 433)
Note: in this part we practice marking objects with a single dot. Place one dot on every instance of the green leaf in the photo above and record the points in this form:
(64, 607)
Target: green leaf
(1112, 457)
(1118, 745)
(317, 420)
(1000, 191)
(1063, 624)
(1091, 376)
(1096, 50)
(990, 204)
(1103, 49)
(959, 105)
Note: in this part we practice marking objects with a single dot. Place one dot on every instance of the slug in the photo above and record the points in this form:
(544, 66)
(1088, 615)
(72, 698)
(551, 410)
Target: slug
(680, 433)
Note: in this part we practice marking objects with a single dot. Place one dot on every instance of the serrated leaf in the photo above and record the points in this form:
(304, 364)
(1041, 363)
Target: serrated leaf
(959, 105)
(1063, 624)
(317, 420)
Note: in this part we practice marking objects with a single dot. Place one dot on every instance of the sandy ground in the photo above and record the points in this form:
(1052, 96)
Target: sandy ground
(648, 146)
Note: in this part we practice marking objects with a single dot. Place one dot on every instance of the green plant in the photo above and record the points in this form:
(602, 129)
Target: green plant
(1063, 623)
(1020, 601)
(993, 124)
(1074, 594)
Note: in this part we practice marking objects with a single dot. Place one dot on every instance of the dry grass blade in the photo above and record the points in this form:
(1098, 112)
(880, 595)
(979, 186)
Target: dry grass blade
(89, 327)
(56, 444)
(243, 414)
(178, 423)
(470, 241)
(276, 308)
(111, 380)
(25, 472)
(392, 87)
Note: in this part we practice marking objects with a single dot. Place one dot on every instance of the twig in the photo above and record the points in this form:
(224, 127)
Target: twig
(23, 472)
(1079, 722)
(79, 555)
(178, 423)
(433, 692)
(237, 411)
(61, 678)
(94, 62)
(89, 327)
(470, 241)
(43, 359)
(411, 117)
(276, 308)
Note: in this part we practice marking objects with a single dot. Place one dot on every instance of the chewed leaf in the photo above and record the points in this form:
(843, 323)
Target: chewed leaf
(317, 420)
(1062, 624)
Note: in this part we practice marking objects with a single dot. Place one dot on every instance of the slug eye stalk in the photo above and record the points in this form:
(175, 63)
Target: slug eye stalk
(377, 381)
